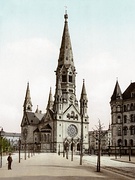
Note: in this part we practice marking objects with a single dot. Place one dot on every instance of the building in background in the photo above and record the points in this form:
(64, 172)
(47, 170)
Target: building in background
(9, 141)
(106, 141)
(123, 118)
(59, 128)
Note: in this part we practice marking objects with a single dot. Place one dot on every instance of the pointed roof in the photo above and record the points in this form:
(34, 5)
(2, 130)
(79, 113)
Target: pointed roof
(66, 54)
(27, 102)
(117, 92)
(37, 110)
(50, 100)
(83, 93)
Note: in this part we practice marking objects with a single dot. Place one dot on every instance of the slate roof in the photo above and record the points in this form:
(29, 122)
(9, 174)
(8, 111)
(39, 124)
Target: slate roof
(117, 92)
(129, 90)
(32, 118)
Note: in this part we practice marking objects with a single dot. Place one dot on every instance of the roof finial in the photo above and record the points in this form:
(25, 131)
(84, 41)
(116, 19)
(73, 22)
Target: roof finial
(66, 16)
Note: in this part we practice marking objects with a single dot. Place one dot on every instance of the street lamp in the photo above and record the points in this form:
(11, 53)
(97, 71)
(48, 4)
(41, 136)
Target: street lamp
(81, 141)
(19, 143)
(120, 149)
(1, 147)
(59, 150)
(109, 148)
(72, 149)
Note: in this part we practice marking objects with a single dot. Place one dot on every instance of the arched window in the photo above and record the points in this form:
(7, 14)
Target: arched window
(70, 78)
(119, 142)
(131, 107)
(131, 143)
(45, 137)
(128, 107)
(125, 119)
(64, 78)
(125, 142)
(125, 108)
(119, 131)
(118, 119)
(72, 146)
(78, 147)
(48, 137)
(132, 118)
(125, 130)
(132, 130)
(118, 108)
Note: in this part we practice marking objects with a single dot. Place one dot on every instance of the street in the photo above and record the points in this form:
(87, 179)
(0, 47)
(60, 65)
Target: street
(49, 166)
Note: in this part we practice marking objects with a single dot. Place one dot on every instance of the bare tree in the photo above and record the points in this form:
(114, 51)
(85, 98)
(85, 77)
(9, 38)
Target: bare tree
(98, 137)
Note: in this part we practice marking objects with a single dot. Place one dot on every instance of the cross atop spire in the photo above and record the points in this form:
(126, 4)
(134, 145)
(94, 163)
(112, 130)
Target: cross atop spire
(66, 15)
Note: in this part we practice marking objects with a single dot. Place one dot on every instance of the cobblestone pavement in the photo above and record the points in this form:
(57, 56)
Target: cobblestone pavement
(53, 167)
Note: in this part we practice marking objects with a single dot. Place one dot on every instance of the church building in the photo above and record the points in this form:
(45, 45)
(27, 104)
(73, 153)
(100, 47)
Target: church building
(65, 123)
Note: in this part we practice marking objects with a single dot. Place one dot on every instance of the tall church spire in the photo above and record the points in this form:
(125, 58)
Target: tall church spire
(65, 72)
(27, 102)
(66, 54)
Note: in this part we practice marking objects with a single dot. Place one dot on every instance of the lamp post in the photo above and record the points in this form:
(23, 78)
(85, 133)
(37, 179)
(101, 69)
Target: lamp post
(25, 150)
(81, 141)
(120, 149)
(59, 150)
(72, 149)
(109, 148)
(129, 152)
(19, 143)
(63, 149)
(115, 152)
(1, 146)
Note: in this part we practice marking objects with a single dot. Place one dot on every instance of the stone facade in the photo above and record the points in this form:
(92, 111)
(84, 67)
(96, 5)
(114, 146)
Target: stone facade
(65, 121)
(123, 118)
(106, 141)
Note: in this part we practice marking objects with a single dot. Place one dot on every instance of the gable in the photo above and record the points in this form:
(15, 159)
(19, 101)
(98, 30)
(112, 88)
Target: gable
(46, 128)
(25, 120)
(71, 113)
(48, 116)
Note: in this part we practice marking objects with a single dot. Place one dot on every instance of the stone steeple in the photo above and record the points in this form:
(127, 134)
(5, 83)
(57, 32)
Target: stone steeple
(65, 72)
(50, 100)
(27, 102)
(83, 100)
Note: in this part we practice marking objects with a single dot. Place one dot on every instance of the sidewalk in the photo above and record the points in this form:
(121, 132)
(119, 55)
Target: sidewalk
(125, 159)
(49, 166)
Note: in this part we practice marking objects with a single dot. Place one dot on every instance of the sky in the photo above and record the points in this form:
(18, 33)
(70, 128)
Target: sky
(103, 41)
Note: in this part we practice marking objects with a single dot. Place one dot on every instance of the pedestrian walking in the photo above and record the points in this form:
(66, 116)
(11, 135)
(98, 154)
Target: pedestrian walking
(9, 159)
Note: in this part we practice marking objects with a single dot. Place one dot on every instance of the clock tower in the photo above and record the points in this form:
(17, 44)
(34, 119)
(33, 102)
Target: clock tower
(67, 116)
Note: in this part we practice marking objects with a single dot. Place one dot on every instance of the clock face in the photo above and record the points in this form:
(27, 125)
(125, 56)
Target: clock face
(72, 130)
(25, 133)
(71, 98)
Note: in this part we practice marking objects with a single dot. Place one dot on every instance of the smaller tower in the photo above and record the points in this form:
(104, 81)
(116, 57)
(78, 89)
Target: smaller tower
(117, 115)
(50, 101)
(58, 97)
(83, 101)
(27, 106)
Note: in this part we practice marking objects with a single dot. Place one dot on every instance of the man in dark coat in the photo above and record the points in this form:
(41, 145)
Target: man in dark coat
(9, 159)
